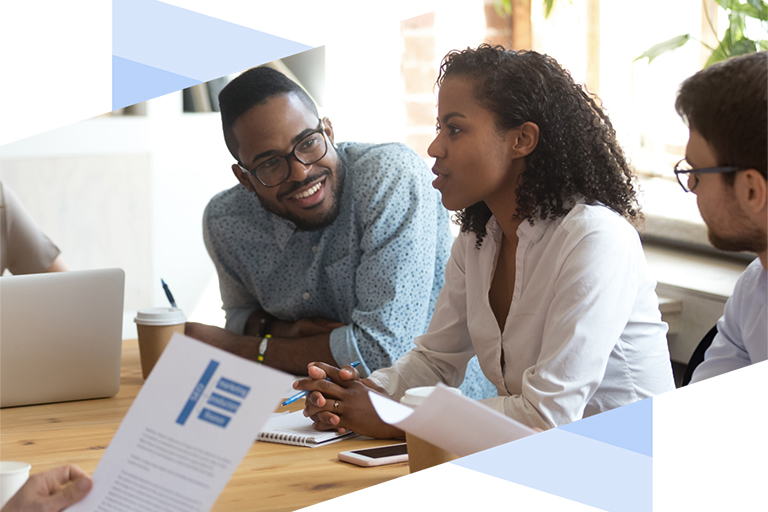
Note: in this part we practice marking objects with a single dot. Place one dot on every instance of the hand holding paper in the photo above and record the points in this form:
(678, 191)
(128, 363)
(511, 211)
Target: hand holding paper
(195, 418)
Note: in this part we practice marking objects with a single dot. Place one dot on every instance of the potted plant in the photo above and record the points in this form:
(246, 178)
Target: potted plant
(735, 41)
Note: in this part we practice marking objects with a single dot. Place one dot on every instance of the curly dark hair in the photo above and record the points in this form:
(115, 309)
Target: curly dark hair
(577, 155)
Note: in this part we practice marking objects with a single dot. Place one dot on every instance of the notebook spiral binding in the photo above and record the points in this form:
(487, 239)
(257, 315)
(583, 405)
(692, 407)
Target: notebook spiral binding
(274, 437)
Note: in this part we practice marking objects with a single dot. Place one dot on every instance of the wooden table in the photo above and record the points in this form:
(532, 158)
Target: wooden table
(270, 477)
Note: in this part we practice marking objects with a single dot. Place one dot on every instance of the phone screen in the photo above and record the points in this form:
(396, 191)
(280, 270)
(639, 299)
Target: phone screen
(384, 451)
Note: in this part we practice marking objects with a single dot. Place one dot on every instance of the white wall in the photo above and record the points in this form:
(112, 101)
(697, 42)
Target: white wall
(130, 192)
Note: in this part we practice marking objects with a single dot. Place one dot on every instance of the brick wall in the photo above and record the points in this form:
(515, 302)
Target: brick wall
(513, 31)
(420, 61)
(498, 29)
(419, 71)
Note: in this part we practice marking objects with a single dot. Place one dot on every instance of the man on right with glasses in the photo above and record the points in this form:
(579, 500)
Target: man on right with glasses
(725, 166)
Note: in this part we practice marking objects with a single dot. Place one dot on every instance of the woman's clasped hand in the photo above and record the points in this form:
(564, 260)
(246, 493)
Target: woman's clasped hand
(339, 398)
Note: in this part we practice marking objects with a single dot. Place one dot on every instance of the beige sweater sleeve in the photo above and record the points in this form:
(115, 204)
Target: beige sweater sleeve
(24, 248)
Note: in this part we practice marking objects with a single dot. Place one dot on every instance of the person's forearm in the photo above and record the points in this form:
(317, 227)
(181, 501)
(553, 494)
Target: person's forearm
(58, 265)
(258, 323)
(261, 323)
(292, 355)
(280, 328)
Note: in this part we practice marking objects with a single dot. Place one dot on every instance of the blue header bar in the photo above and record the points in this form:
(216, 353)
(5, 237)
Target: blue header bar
(197, 392)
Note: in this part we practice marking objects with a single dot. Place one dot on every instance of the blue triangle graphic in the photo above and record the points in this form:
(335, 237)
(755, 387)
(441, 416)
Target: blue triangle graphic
(190, 44)
(629, 427)
(133, 82)
(573, 467)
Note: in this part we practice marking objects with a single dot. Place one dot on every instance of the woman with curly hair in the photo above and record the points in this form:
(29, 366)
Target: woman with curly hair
(547, 282)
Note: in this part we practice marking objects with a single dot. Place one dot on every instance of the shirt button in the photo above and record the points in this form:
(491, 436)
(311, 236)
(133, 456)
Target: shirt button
(305, 295)
(314, 249)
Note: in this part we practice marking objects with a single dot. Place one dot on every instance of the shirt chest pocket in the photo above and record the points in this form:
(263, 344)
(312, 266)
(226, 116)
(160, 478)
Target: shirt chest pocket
(341, 282)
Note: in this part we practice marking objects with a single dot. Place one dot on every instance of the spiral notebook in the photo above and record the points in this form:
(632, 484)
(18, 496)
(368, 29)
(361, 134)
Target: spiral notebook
(295, 429)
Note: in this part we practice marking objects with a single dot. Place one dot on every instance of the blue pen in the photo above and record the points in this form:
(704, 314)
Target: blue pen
(168, 293)
(302, 394)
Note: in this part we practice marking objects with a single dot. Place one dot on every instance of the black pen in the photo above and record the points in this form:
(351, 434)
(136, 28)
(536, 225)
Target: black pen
(168, 293)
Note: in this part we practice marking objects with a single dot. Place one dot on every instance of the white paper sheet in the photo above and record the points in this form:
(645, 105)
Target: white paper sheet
(452, 422)
(194, 419)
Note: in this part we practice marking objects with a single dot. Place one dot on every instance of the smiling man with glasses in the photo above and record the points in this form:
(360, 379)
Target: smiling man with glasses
(726, 110)
(301, 199)
(324, 251)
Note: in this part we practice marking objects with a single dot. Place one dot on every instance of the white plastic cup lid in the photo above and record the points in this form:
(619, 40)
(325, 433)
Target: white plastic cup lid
(10, 467)
(160, 316)
(416, 396)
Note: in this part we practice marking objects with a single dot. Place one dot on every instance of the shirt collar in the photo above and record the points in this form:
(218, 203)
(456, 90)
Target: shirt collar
(536, 232)
(533, 233)
(761, 290)
(525, 231)
(493, 229)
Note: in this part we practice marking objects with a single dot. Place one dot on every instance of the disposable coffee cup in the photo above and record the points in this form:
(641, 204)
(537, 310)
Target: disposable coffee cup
(12, 477)
(155, 327)
(423, 454)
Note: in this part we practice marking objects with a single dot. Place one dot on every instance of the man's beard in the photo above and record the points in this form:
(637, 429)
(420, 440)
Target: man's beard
(737, 234)
(750, 241)
(320, 222)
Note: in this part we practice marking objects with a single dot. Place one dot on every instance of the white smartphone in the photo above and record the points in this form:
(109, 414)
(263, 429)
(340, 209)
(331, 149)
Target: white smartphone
(391, 454)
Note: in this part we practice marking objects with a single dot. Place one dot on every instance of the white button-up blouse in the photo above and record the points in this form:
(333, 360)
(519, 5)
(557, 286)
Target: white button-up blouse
(583, 334)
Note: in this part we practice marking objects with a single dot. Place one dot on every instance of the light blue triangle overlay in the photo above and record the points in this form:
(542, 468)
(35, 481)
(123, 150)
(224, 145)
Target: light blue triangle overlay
(133, 82)
(573, 467)
(188, 43)
(629, 427)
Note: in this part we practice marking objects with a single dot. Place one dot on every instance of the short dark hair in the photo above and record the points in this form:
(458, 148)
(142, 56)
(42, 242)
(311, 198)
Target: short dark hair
(727, 104)
(251, 88)
(577, 155)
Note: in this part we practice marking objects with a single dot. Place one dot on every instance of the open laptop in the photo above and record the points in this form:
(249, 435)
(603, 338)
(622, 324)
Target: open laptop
(60, 336)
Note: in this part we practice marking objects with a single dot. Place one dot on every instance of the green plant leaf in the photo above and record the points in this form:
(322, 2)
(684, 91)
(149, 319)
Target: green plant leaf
(737, 23)
(714, 58)
(503, 8)
(761, 7)
(548, 4)
(722, 52)
(743, 46)
(734, 41)
(726, 4)
(667, 46)
(753, 8)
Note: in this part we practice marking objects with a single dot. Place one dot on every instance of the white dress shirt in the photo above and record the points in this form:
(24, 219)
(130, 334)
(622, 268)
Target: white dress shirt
(742, 331)
(583, 334)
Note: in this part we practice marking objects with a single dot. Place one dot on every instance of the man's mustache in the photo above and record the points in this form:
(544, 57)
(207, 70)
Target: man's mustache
(296, 185)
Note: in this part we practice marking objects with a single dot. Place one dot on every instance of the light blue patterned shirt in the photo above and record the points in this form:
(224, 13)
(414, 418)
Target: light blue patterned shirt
(378, 268)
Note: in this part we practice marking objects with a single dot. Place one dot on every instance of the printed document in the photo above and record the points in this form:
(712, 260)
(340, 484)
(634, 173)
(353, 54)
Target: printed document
(194, 419)
(455, 423)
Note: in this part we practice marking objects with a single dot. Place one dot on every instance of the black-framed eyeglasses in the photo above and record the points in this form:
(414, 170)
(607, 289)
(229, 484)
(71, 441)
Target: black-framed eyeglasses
(683, 168)
(276, 169)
